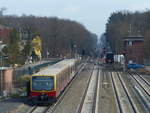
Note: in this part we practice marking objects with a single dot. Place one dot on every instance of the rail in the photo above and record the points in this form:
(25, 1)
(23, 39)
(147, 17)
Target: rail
(88, 101)
(124, 99)
(141, 89)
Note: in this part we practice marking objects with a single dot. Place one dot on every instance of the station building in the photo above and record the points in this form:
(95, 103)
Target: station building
(134, 49)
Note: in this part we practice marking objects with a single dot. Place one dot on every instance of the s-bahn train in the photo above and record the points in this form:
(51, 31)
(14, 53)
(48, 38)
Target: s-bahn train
(46, 85)
(109, 58)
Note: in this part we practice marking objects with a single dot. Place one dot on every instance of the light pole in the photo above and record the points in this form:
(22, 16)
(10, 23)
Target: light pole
(1, 73)
(75, 51)
(47, 54)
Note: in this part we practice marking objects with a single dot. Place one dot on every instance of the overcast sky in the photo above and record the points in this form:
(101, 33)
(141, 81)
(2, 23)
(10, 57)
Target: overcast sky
(93, 14)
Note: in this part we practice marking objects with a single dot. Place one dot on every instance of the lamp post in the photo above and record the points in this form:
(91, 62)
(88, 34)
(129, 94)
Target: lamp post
(1, 77)
(47, 54)
(75, 51)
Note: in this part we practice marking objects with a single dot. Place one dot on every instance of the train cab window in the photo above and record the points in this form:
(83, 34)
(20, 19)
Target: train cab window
(42, 83)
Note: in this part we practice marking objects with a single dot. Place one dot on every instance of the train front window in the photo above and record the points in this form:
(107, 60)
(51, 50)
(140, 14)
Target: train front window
(42, 83)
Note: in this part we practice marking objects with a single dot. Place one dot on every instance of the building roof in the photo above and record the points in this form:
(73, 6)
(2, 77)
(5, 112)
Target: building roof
(134, 38)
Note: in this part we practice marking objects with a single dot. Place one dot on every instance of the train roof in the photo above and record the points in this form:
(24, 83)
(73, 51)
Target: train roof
(57, 68)
(109, 52)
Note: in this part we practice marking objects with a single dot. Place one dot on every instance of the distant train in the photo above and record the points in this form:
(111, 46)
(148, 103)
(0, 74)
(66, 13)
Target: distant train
(46, 85)
(109, 58)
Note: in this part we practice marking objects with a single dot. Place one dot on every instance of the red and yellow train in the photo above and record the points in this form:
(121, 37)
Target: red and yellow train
(47, 85)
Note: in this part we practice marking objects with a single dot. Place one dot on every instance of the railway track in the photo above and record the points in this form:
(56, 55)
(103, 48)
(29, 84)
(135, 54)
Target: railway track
(123, 97)
(89, 102)
(107, 98)
(145, 85)
(116, 95)
(142, 88)
(38, 109)
(146, 81)
(51, 108)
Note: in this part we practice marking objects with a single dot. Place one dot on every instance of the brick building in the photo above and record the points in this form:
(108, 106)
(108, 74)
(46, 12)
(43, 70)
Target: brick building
(134, 47)
(4, 33)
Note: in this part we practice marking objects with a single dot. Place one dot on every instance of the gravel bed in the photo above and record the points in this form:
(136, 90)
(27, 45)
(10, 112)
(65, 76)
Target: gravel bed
(130, 87)
(72, 98)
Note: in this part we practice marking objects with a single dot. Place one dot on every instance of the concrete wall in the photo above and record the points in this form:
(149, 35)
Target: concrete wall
(8, 78)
